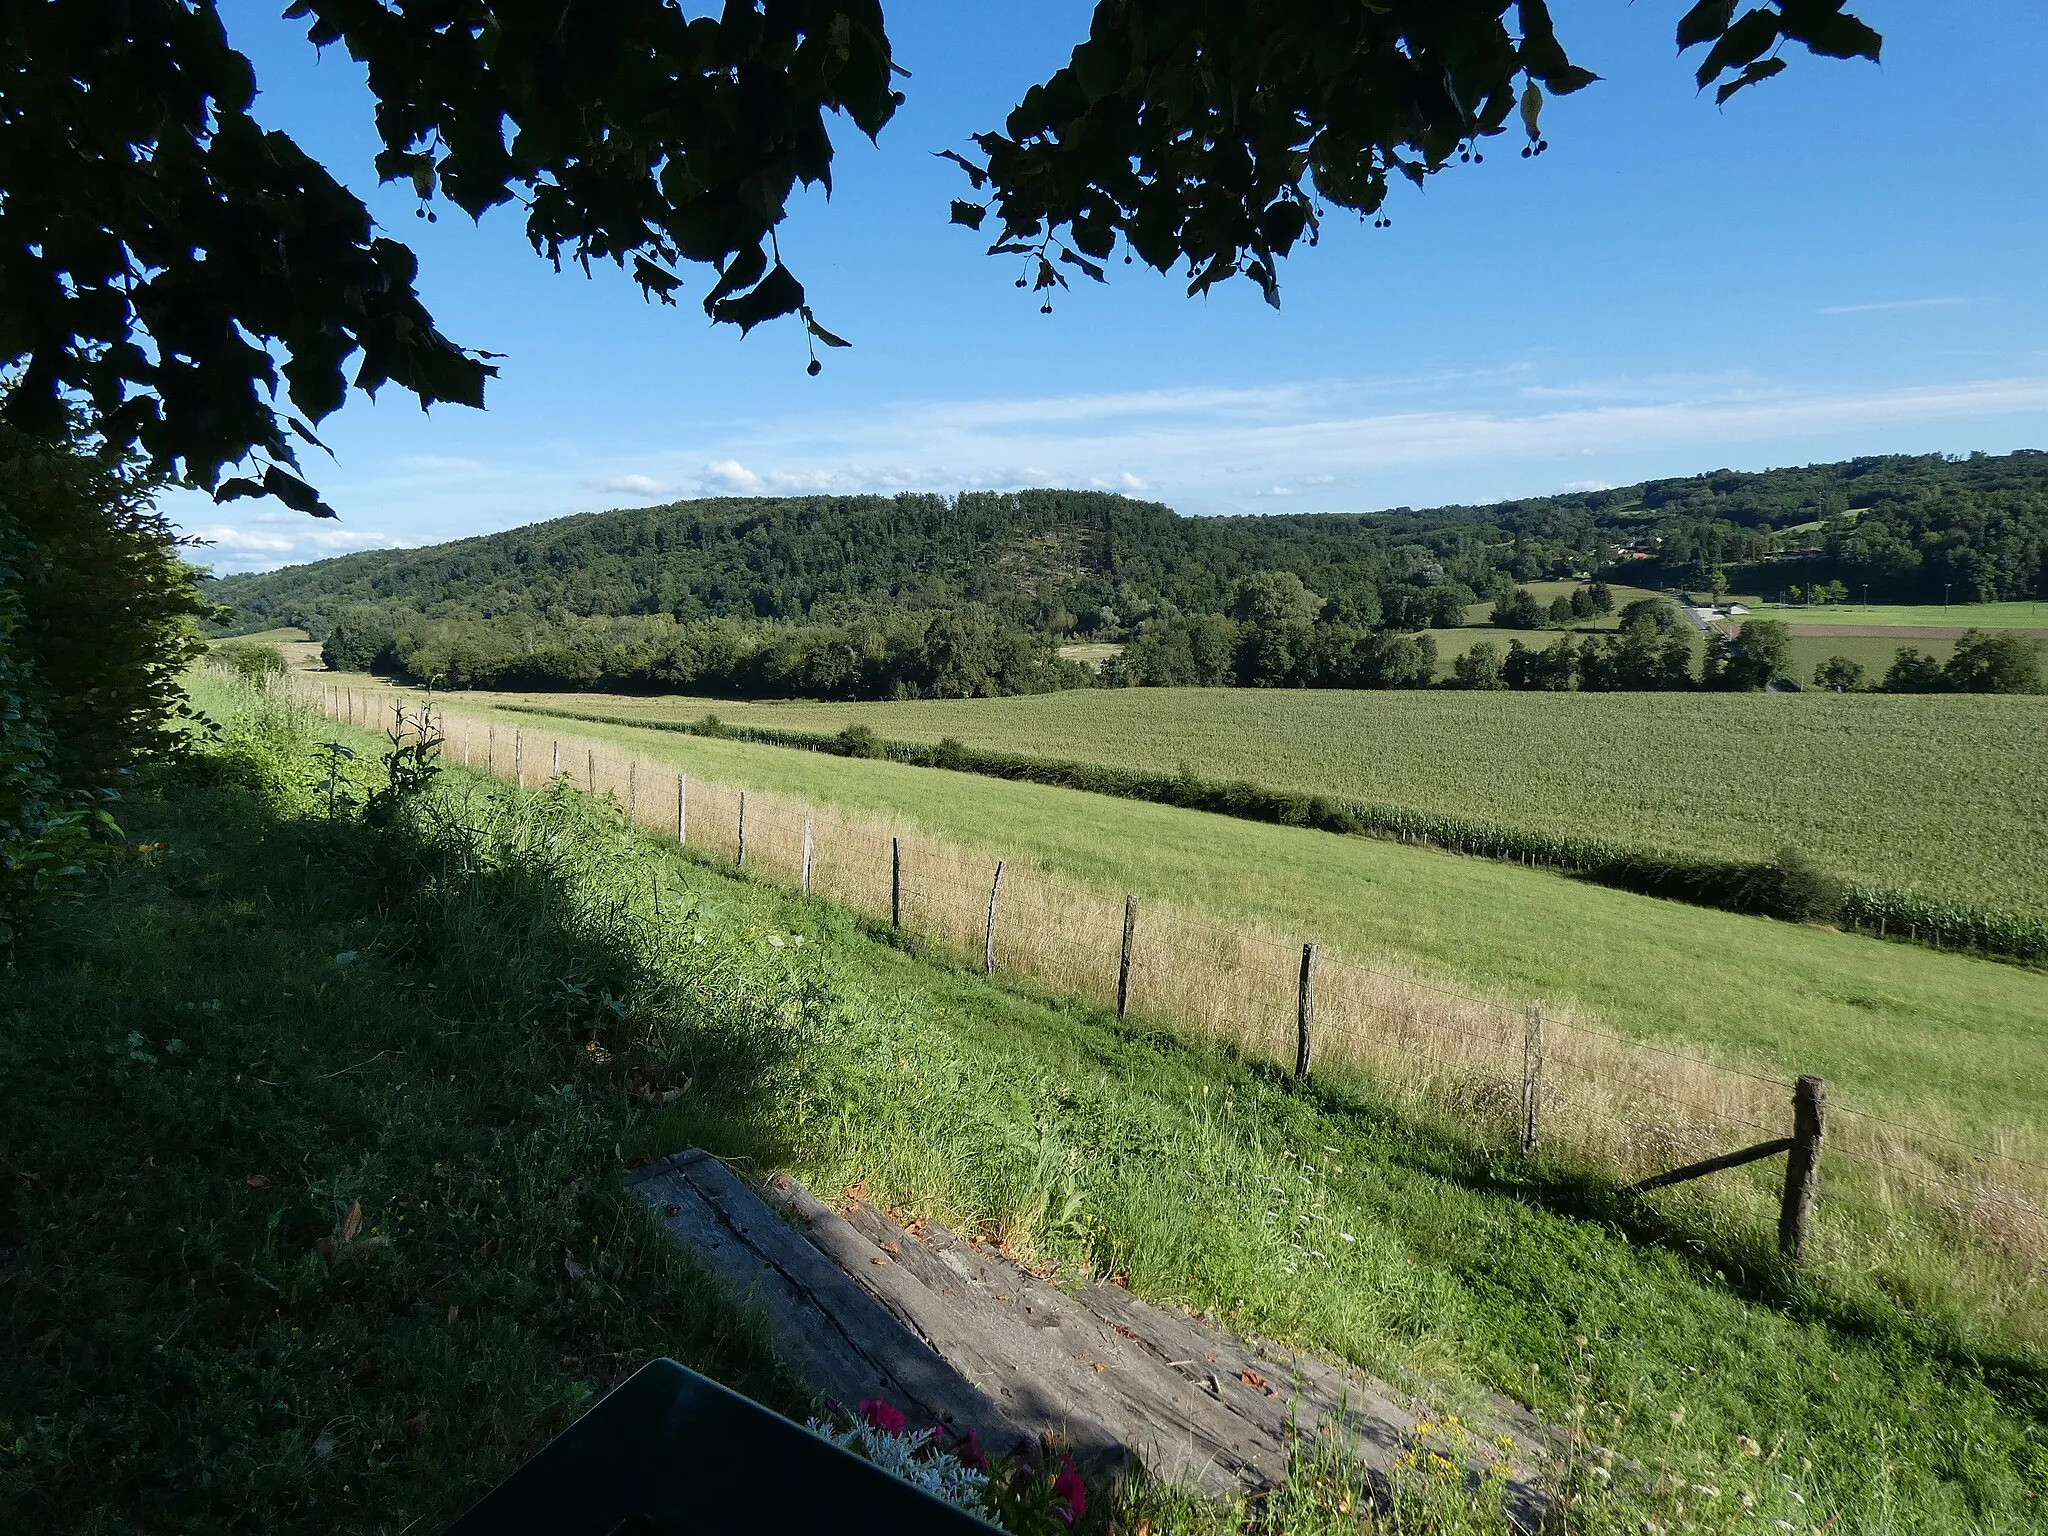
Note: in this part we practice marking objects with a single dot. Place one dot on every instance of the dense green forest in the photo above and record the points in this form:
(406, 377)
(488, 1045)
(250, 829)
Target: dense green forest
(869, 596)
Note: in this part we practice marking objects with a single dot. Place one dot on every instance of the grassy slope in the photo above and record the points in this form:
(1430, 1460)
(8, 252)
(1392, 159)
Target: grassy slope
(1946, 795)
(227, 1377)
(1950, 1040)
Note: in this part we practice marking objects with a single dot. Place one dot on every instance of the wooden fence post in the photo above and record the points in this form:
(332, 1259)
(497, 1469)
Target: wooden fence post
(465, 743)
(1123, 967)
(491, 751)
(1802, 1166)
(742, 860)
(518, 760)
(632, 791)
(1305, 1014)
(682, 808)
(988, 943)
(555, 767)
(1532, 1077)
(807, 855)
(896, 882)
(590, 769)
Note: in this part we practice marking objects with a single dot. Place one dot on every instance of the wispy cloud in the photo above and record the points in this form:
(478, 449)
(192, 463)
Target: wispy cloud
(635, 485)
(266, 540)
(1887, 306)
(1330, 445)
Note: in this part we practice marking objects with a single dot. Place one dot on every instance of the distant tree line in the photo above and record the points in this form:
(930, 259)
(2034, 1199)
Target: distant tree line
(1984, 661)
(965, 653)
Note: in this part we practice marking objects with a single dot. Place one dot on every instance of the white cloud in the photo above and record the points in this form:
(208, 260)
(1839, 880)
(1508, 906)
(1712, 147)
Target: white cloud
(1887, 306)
(226, 548)
(1586, 485)
(635, 485)
(731, 475)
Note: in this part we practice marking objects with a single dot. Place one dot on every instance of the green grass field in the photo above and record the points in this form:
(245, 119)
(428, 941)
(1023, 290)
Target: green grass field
(1958, 616)
(1954, 1043)
(270, 1021)
(1947, 796)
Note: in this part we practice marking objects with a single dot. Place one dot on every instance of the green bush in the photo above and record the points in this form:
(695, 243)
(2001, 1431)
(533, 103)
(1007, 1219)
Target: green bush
(256, 662)
(97, 625)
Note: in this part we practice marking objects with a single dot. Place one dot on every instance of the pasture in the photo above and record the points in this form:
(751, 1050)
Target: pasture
(1947, 796)
(1950, 1042)
(434, 1057)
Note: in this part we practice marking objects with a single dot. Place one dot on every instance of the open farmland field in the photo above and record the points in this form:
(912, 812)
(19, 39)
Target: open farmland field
(261, 1387)
(1946, 1039)
(1955, 619)
(1946, 796)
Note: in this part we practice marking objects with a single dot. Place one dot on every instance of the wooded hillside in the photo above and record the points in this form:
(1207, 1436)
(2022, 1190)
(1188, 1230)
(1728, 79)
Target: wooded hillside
(1054, 560)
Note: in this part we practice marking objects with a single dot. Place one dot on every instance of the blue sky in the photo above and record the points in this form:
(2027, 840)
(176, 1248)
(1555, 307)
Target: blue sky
(1846, 260)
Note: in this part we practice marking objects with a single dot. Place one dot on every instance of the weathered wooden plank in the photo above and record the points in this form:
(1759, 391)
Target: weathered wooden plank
(926, 1381)
(1179, 1431)
(834, 1334)
(968, 1338)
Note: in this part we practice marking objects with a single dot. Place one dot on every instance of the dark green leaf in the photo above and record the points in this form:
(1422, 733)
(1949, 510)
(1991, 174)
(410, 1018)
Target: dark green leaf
(1704, 22)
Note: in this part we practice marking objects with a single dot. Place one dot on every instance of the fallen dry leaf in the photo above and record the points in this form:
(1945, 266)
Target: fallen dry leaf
(890, 1248)
(1253, 1380)
(352, 1223)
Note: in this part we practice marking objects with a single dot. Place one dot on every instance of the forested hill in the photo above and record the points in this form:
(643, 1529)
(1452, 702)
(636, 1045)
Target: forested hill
(1052, 559)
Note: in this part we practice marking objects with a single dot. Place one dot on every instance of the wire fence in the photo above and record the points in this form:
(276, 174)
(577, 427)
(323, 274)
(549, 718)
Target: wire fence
(1626, 1108)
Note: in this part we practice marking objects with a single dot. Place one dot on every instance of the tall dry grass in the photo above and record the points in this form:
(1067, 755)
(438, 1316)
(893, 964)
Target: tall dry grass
(1898, 1195)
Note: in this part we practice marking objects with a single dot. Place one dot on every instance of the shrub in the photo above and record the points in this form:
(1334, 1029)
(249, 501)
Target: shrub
(860, 741)
(1839, 674)
(1994, 662)
(255, 662)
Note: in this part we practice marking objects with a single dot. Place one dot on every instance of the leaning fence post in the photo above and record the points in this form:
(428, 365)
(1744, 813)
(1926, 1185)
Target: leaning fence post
(1305, 1013)
(742, 860)
(988, 943)
(555, 767)
(807, 855)
(1532, 1076)
(895, 882)
(1802, 1166)
(682, 808)
(1123, 967)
